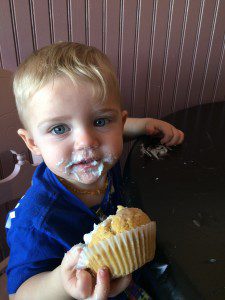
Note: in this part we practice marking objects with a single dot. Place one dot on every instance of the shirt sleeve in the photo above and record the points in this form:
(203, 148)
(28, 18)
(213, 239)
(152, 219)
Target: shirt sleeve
(31, 252)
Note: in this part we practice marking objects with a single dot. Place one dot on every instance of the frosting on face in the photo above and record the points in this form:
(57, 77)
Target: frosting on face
(60, 162)
(84, 165)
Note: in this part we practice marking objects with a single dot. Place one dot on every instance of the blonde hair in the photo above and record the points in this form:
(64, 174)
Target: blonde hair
(81, 63)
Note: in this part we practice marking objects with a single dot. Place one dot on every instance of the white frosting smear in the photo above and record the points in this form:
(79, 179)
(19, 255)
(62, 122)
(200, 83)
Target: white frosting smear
(76, 165)
(88, 236)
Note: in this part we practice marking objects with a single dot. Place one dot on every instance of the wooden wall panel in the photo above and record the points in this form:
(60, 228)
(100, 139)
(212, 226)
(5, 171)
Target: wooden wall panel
(142, 48)
(111, 41)
(22, 27)
(127, 53)
(161, 11)
(214, 54)
(59, 20)
(171, 55)
(202, 50)
(41, 23)
(77, 9)
(7, 43)
(168, 54)
(95, 23)
(186, 53)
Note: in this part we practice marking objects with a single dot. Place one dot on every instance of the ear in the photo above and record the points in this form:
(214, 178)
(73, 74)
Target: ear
(25, 136)
(124, 117)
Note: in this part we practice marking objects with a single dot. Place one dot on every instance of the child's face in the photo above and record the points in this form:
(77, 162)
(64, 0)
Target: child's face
(79, 137)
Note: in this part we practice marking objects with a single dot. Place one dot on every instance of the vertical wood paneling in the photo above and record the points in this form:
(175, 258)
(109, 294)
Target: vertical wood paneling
(168, 54)
(128, 40)
(143, 43)
(95, 23)
(171, 56)
(78, 21)
(41, 23)
(7, 44)
(202, 48)
(156, 71)
(215, 54)
(187, 53)
(209, 50)
(165, 59)
(112, 32)
(22, 28)
(59, 20)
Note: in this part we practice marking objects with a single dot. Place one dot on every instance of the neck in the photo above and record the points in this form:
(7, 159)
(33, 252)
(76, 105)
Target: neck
(88, 190)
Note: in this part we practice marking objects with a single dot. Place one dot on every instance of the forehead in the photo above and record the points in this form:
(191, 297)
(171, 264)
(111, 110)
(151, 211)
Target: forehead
(62, 95)
(65, 87)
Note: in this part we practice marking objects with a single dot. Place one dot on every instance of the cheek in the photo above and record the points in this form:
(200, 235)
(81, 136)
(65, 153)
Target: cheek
(114, 144)
(53, 153)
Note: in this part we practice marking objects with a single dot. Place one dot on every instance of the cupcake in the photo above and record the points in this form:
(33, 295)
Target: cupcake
(123, 242)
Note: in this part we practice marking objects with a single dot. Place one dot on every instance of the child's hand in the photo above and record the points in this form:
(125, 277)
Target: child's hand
(171, 135)
(80, 284)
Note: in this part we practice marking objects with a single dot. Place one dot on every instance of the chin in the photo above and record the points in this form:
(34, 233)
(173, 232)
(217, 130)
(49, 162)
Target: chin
(86, 179)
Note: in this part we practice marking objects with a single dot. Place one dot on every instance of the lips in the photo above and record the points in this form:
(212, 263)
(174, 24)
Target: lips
(86, 163)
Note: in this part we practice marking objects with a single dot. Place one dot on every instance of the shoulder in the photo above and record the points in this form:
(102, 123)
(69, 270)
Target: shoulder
(34, 205)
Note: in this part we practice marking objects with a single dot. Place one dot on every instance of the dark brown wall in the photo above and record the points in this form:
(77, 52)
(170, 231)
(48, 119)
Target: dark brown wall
(168, 54)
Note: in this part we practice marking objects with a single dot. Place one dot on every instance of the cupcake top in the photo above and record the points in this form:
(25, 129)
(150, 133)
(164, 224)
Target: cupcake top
(125, 219)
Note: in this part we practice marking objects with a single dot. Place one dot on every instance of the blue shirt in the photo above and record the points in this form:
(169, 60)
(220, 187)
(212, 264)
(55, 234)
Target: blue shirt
(48, 221)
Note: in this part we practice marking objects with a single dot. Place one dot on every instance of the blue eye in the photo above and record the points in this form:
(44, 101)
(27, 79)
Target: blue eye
(101, 122)
(60, 129)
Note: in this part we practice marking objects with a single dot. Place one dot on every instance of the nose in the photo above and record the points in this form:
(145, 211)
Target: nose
(85, 138)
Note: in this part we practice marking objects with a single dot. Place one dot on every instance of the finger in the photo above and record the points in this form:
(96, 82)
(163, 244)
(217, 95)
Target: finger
(119, 285)
(181, 137)
(177, 137)
(71, 258)
(102, 287)
(77, 283)
(167, 135)
(84, 284)
(174, 139)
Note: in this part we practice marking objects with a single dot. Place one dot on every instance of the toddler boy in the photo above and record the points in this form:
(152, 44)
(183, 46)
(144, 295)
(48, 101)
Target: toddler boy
(68, 100)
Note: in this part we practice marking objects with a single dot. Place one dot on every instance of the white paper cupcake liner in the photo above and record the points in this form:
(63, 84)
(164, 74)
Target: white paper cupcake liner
(122, 253)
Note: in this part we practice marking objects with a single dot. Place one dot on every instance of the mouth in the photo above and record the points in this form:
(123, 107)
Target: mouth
(86, 163)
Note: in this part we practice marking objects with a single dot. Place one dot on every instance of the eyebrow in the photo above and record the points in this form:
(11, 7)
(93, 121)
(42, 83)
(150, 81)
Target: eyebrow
(107, 110)
(56, 119)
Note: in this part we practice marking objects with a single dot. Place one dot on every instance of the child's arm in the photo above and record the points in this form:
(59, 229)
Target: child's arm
(135, 127)
(65, 283)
